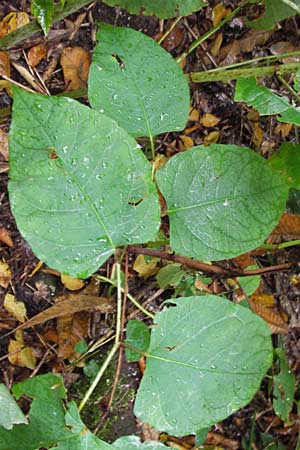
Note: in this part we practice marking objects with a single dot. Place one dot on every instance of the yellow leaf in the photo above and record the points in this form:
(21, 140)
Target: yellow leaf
(15, 308)
(209, 120)
(283, 129)
(143, 268)
(73, 284)
(211, 138)
(5, 274)
(20, 355)
(258, 134)
(12, 21)
(4, 64)
(36, 54)
(219, 12)
(194, 115)
(216, 45)
(187, 141)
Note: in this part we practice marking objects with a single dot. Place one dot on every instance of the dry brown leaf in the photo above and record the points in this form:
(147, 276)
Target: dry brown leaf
(20, 355)
(71, 303)
(15, 308)
(265, 300)
(5, 275)
(218, 13)
(187, 141)
(12, 21)
(244, 261)
(143, 268)
(194, 115)
(217, 439)
(216, 45)
(209, 120)
(263, 306)
(201, 286)
(285, 47)
(257, 135)
(36, 54)
(4, 64)
(230, 53)
(254, 38)
(174, 39)
(191, 129)
(287, 229)
(73, 284)
(283, 129)
(70, 330)
(75, 62)
(160, 161)
(211, 138)
(5, 237)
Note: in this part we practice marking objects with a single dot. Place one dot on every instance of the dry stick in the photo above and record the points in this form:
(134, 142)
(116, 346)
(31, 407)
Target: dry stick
(21, 34)
(210, 32)
(207, 268)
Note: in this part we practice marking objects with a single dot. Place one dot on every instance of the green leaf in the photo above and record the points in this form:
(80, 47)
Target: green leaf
(134, 443)
(251, 283)
(275, 11)
(46, 418)
(138, 336)
(297, 81)
(136, 82)
(164, 10)
(43, 11)
(83, 439)
(79, 186)
(200, 367)
(284, 388)
(170, 275)
(222, 200)
(287, 162)
(293, 202)
(265, 101)
(10, 413)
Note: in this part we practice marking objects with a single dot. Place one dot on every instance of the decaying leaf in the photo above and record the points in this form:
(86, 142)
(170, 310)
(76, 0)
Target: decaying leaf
(285, 47)
(174, 39)
(269, 315)
(70, 330)
(257, 135)
(211, 138)
(15, 308)
(194, 115)
(283, 129)
(75, 62)
(209, 120)
(218, 13)
(4, 64)
(187, 141)
(12, 21)
(73, 284)
(216, 45)
(36, 54)
(145, 268)
(5, 237)
(5, 274)
(19, 354)
(71, 303)
(287, 229)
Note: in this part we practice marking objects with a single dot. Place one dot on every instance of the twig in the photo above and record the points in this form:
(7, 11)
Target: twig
(166, 34)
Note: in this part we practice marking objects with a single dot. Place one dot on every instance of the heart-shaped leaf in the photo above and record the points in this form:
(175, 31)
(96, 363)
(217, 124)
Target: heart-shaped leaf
(170, 8)
(200, 367)
(136, 82)
(79, 186)
(222, 200)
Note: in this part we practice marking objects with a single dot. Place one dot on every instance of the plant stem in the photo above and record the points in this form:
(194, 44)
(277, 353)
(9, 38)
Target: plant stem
(292, 5)
(282, 245)
(166, 34)
(232, 74)
(129, 296)
(291, 90)
(210, 32)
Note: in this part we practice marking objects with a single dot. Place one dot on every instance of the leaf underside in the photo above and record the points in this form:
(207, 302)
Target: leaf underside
(137, 83)
(79, 186)
(222, 200)
(200, 368)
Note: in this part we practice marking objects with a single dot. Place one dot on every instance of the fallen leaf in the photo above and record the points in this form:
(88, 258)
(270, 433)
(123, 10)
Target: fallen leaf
(15, 308)
(217, 439)
(285, 47)
(75, 62)
(36, 54)
(71, 303)
(265, 300)
(257, 135)
(19, 354)
(253, 38)
(145, 268)
(189, 130)
(13, 21)
(194, 115)
(73, 284)
(5, 237)
(160, 161)
(70, 330)
(187, 141)
(216, 45)
(283, 129)
(174, 39)
(4, 64)
(230, 53)
(36, 269)
(211, 138)
(244, 260)
(5, 275)
(263, 306)
(218, 13)
(287, 229)
(209, 120)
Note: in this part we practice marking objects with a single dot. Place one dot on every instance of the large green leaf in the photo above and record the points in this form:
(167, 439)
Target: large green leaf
(287, 162)
(160, 8)
(284, 387)
(134, 443)
(10, 413)
(275, 10)
(138, 336)
(43, 11)
(136, 82)
(79, 185)
(222, 200)
(200, 366)
(265, 101)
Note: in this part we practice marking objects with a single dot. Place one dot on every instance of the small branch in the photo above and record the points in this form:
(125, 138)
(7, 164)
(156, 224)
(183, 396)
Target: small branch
(207, 268)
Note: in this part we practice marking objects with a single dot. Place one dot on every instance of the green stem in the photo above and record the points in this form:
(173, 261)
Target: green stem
(16, 37)
(292, 5)
(166, 34)
(282, 245)
(294, 94)
(210, 32)
(233, 74)
(129, 296)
